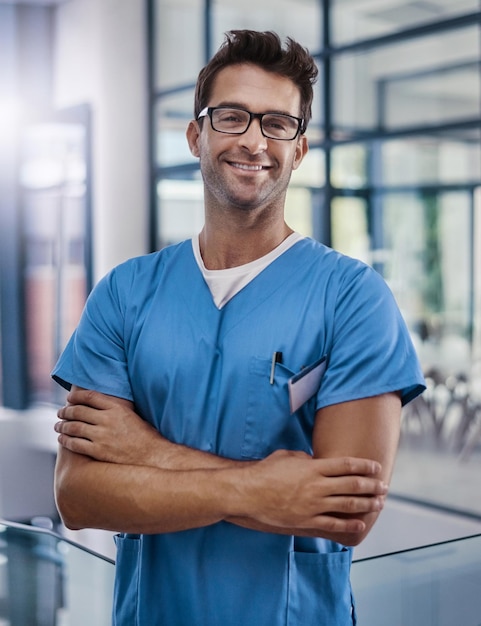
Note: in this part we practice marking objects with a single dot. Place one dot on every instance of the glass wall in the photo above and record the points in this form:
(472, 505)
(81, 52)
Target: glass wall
(46, 579)
(45, 212)
(357, 20)
(393, 177)
(430, 80)
(54, 200)
(406, 170)
(177, 58)
(300, 20)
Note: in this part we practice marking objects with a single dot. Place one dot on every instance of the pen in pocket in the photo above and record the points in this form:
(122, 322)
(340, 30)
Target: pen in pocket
(276, 358)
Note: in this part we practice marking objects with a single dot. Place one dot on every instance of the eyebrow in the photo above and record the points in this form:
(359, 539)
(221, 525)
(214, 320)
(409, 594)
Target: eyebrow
(237, 105)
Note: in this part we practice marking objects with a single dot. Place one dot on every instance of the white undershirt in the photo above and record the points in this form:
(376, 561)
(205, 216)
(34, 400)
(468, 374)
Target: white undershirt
(224, 284)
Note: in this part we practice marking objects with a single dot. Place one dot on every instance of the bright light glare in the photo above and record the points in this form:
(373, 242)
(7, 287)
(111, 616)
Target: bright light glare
(11, 114)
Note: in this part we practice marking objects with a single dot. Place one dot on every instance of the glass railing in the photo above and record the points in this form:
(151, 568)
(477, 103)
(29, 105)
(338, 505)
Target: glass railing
(47, 580)
(437, 585)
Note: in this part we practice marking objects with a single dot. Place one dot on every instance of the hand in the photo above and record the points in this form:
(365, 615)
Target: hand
(107, 429)
(295, 492)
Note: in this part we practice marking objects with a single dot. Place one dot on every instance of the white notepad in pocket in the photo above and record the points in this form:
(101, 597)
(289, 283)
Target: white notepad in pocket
(305, 384)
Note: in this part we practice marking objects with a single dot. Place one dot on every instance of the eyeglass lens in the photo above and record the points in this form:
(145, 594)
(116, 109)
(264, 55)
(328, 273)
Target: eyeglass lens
(236, 121)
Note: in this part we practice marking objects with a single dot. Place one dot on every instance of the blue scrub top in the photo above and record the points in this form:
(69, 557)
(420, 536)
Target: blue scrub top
(151, 333)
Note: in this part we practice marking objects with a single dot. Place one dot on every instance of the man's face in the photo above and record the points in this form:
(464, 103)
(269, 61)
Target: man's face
(248, 171)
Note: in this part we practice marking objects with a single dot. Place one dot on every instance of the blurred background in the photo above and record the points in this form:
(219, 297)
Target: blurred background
(95, 97)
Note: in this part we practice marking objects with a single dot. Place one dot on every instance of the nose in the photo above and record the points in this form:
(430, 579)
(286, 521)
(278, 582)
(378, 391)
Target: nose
(253, 140)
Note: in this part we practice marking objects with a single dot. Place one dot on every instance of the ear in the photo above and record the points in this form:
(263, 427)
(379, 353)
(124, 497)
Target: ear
(302, 148)
(193, 137)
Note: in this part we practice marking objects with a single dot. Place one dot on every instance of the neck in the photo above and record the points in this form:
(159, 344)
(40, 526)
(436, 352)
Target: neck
(224, 249)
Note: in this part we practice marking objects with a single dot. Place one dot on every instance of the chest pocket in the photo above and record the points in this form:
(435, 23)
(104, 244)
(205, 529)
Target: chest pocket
(269, 424)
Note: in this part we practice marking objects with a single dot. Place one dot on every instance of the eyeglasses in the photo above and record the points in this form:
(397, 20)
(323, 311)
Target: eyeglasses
(233, 121)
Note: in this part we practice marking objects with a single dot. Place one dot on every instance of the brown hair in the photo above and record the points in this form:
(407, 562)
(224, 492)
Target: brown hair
(265, 50)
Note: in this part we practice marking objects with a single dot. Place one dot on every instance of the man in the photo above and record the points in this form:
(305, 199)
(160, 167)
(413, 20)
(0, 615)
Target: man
(236, 398)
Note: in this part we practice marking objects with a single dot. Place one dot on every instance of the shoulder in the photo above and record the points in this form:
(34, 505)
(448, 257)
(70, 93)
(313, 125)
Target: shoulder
(145, 269)
(336, 267)
(134, 280)
(151, 263)
(320, 253)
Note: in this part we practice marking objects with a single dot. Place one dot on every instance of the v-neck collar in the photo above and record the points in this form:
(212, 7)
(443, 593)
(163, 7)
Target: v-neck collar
(198, 298)
(225, 284)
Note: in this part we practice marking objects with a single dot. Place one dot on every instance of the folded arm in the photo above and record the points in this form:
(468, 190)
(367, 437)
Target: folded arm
(115, 471)
(367, 428)
(361, 429)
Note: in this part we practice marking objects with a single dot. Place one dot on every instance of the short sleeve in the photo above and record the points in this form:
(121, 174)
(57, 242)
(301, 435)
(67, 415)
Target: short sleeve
(95, 356)
(371, 352)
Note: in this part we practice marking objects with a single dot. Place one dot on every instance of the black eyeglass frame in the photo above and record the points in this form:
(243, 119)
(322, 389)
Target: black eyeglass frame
(208, 112)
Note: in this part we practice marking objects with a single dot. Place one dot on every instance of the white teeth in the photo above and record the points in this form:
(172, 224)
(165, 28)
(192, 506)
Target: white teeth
(252, 168)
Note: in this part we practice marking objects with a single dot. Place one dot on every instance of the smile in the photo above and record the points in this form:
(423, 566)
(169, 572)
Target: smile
(249, 168)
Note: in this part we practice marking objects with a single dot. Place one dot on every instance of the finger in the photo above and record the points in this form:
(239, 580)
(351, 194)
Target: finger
(75, 444)
(357, 486)
(80, 413)
(90, 398)
(344, 466)
(332, 524)
(74, 429)
(352, 505)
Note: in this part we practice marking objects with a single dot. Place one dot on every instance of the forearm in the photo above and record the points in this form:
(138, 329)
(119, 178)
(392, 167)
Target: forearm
(345, 539)
(287, 490)
(115, 471)
(333, 528)
(367, 428)
(140, 499)
(330, 531)
(168, 455)
(108, 429)
(178, 457)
